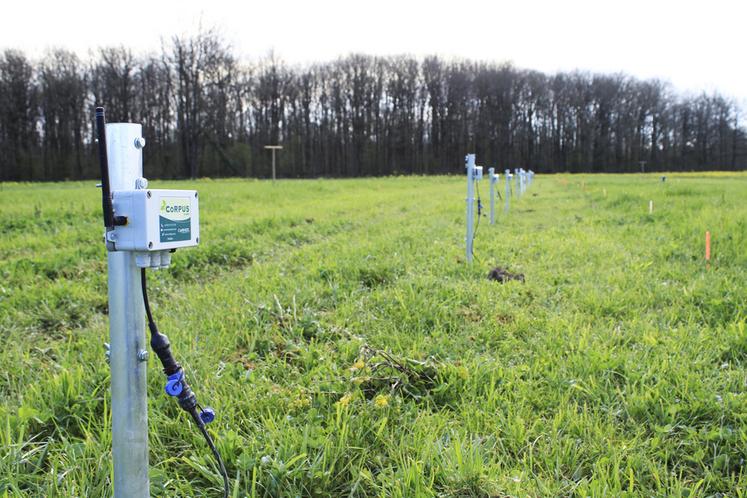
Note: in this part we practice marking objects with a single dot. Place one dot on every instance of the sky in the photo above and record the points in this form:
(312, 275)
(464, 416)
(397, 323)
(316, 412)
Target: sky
(695, 45)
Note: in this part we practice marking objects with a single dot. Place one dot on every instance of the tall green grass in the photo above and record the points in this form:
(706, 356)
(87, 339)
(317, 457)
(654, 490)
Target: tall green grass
(349, 351)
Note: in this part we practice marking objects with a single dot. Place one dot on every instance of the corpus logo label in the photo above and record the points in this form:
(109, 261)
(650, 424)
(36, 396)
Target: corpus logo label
(174, 221)
(175, 208)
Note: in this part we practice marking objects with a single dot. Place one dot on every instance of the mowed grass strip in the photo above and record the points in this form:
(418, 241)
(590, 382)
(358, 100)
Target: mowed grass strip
(349, 351)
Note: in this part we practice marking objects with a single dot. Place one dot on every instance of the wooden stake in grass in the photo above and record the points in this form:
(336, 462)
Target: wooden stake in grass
(650, 207)
(708, 248)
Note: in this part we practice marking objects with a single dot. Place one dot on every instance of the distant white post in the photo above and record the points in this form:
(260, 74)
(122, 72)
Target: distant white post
(493, 181)
(273, 148)
(508, 189)
(470, 165)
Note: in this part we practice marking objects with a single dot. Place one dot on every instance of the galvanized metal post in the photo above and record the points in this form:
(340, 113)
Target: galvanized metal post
(470, 163)
(491, 172)
(127, 332)
(508, 190)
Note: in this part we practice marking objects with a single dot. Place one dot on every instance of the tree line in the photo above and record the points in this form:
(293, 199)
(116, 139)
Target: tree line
(206, 112)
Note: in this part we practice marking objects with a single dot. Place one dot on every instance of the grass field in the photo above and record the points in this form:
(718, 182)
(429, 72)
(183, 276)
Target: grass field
(349, 351)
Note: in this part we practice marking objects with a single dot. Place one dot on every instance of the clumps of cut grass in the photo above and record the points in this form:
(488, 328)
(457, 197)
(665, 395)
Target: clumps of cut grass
(380, 371)
(502, 275)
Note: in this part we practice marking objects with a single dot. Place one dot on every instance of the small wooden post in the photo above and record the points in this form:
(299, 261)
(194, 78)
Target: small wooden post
(273, 148)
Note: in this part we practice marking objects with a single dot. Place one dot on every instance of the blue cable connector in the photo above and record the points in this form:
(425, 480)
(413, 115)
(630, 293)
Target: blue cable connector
(174, 385)
(207, 415)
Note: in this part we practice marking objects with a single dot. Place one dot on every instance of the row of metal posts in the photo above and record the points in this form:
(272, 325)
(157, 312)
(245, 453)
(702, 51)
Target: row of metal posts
(523, 180)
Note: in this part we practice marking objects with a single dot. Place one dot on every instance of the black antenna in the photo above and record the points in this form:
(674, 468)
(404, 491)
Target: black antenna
(106, 194)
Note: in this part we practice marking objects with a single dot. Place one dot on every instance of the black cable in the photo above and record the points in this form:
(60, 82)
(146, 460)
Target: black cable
(160, 344)
(477, 225)
(144, 286)
(218, 458)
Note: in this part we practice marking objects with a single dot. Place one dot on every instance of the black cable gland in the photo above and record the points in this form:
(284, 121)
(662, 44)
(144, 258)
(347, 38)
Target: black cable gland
(160, 344)
(187, 399)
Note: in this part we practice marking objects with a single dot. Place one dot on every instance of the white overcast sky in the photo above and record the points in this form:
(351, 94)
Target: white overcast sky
(694, 45)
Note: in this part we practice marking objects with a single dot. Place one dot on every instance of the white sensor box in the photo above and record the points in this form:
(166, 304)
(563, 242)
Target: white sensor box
(157, 220)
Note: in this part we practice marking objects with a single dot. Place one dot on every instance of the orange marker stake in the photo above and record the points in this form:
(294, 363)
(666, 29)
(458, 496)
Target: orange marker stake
(708, 249)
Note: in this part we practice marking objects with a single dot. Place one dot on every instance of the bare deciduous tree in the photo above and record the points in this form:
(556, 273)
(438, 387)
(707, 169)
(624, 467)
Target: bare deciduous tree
(206, 113)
